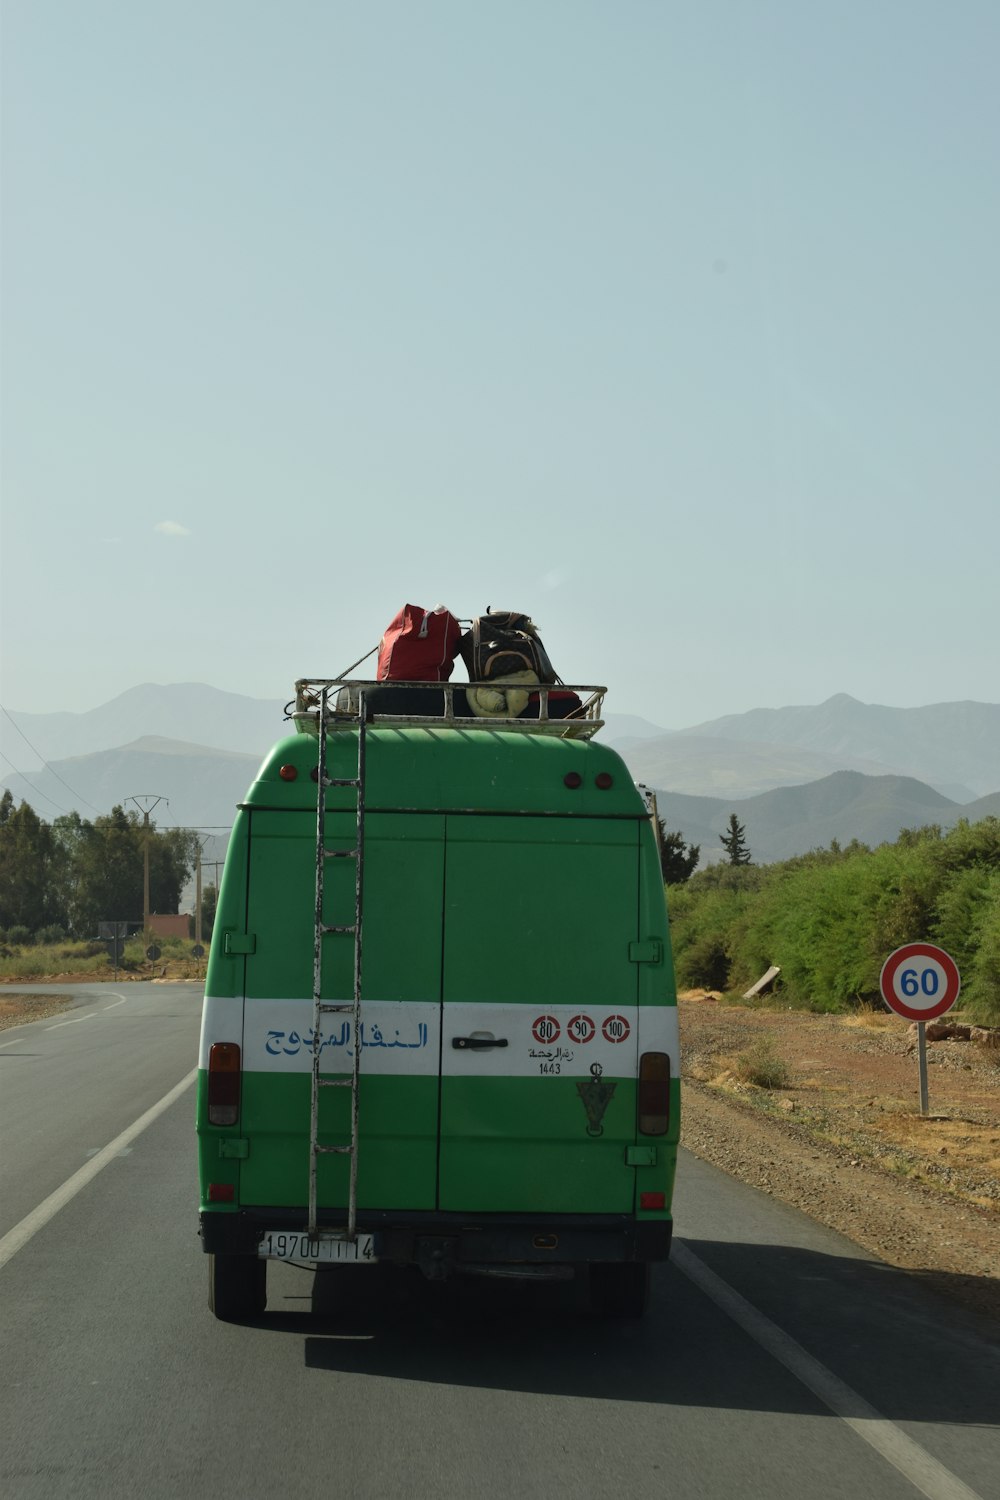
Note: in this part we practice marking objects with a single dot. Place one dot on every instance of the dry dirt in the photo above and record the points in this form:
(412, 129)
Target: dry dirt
(844, 1140)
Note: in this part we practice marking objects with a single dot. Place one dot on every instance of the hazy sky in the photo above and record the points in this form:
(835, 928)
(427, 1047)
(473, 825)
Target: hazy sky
(672, 324)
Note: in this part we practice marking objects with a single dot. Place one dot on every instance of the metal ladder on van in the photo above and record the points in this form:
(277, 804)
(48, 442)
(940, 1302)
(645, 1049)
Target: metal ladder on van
(323, 1007)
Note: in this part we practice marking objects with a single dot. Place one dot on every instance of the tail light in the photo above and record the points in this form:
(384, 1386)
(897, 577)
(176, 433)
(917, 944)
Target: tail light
(654, 1093)
(223, 1083)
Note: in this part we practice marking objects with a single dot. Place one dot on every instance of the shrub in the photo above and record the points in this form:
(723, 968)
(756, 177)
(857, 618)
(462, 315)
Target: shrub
(831, 918)
(981, 978)
(762, 1065)
(49, 935)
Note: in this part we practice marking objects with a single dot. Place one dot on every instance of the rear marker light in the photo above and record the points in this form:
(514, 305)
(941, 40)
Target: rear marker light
(604, 779)
(224, 1083)
(572, 779)
(221, 1192)
(288, 773)
(654, 1093)
(652, 1200)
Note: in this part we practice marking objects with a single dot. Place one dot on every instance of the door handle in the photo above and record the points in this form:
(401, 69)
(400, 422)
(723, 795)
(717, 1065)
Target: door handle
(478, 1043)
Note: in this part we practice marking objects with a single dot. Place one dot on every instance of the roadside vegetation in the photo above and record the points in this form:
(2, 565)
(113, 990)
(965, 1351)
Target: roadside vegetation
(762, 1065)
(830, 918)
(28, 960)
(60, 881)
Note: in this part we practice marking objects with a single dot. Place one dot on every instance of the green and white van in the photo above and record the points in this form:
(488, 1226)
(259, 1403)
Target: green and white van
(440, 1023)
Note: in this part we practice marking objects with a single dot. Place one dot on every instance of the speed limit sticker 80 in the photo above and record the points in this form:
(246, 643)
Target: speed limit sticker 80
(920, 981)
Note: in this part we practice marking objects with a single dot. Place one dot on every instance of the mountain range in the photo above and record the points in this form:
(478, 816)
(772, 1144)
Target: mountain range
(791, 820)
(797, 777)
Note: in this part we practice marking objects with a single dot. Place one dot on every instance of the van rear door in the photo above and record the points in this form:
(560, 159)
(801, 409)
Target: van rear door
(399, 1084)
(539, 1027)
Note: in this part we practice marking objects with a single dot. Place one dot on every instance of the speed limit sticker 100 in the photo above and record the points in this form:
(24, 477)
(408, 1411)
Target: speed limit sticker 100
(920, 981)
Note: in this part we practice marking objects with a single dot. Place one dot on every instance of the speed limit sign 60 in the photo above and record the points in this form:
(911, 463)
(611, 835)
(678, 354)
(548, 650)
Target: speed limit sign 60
(920, 981)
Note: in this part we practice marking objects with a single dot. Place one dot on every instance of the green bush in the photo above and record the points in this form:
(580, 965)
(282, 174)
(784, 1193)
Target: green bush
(762, 1065)
(52, 934)
(981, 977)
(830, 918)
(58, 958)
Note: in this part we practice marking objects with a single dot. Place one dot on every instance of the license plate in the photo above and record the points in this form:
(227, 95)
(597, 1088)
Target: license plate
(292, 1244)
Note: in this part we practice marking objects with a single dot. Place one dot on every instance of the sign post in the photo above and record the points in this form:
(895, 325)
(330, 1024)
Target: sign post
(115, 933)
(920, 982)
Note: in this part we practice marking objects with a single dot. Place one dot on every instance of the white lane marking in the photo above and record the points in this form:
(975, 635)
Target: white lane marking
(73, 1022)
(915, 1463)
(15, 1239)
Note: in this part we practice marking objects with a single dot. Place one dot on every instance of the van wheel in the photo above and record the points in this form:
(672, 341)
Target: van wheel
(620, 1289)
(237, 1286)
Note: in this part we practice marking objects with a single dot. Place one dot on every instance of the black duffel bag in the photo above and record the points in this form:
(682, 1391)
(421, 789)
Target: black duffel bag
(502, 643)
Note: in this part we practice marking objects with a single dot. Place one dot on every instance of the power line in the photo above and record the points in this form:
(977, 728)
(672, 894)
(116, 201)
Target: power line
(45, 763)
(34, 789)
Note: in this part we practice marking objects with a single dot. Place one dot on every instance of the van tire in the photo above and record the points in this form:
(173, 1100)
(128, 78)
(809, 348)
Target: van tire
(620, 1289)
(237, 1286)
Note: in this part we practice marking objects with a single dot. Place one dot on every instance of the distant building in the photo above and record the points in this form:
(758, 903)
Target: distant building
(177, 925)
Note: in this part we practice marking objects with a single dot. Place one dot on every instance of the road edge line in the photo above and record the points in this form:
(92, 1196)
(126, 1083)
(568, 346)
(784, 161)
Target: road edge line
(15, 1239)
(923, 1471)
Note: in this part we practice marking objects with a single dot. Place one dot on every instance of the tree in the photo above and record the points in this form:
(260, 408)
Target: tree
(172, 855)
(74, 874)
(735, 842)
(26, 863)
(209, 905)
(108, 871)
(678, 860)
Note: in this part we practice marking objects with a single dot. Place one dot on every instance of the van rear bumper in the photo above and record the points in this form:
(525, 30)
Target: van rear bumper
(452, 1242)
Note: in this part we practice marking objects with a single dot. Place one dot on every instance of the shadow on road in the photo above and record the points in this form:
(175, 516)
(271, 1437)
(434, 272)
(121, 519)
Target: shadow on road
(908, 1354)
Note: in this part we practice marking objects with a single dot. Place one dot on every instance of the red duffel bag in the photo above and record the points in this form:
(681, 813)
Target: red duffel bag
(419, 645)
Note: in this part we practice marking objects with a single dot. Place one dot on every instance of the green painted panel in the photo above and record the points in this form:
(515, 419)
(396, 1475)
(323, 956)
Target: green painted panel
(540, 912)
(656, 981)
(468, 769)
(225, 974)
(397, 1156)
(403, 877)
(403, 872)
(521, 1145)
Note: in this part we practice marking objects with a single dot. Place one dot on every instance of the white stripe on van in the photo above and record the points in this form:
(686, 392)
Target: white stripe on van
(404, 1037)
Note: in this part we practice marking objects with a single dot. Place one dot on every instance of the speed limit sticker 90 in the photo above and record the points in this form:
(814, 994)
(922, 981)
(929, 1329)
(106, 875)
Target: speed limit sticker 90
(920, 981)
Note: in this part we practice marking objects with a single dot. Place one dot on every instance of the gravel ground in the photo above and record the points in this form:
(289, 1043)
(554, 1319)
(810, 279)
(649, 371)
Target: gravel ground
(844, 1142)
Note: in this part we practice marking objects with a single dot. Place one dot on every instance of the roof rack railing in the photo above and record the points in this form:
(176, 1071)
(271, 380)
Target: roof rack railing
(343, 695)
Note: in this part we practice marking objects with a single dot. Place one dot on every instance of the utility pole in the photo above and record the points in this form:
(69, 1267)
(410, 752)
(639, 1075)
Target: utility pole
(197, 897)
(145, 802)
(200, 866)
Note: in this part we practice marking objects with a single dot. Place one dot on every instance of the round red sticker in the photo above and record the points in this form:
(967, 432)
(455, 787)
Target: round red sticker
(615, 1028)
(545, 1029)
(581, 1029)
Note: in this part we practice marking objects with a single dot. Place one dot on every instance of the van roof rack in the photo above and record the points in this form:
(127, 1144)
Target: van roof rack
(340, 698)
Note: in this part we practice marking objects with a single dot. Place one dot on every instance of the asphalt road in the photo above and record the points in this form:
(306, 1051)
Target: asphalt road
(777, 1360)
